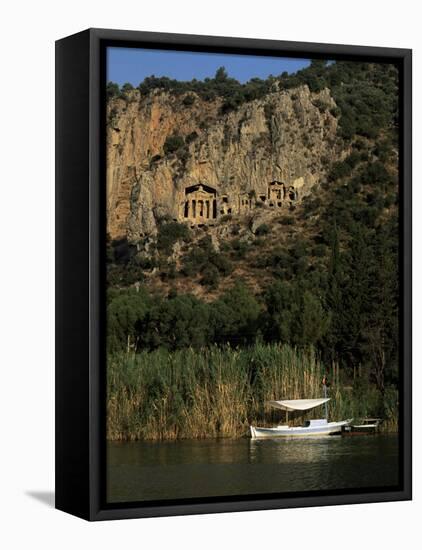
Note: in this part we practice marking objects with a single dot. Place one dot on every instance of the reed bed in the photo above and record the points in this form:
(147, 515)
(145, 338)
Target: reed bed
(214, 392)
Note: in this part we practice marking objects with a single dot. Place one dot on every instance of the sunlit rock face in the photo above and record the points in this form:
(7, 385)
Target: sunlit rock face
(266, 155)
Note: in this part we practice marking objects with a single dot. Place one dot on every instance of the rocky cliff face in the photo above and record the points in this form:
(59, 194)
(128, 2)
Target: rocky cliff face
(263, 156)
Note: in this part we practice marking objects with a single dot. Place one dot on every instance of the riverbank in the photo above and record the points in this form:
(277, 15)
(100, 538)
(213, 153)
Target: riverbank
(218, 392)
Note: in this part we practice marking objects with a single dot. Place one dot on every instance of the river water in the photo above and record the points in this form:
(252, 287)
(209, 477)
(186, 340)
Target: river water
(143, 471)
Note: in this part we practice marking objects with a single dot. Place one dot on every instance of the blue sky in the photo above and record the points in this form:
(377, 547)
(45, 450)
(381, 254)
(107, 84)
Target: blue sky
(133, 65)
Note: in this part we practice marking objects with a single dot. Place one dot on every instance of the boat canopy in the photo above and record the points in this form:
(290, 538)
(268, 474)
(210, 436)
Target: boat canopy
(298, 404)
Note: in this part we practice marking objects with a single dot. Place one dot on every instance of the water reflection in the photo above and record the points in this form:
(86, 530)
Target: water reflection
(304, 450)
(188, 469)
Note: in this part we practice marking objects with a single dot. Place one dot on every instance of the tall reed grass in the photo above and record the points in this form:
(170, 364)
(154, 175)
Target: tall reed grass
(216, 392)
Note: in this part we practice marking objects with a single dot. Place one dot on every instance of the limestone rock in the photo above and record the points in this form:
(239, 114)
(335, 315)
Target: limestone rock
(267, 154)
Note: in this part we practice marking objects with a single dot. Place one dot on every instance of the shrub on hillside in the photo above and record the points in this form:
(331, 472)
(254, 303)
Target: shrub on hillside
(172, 144)
(169, 233)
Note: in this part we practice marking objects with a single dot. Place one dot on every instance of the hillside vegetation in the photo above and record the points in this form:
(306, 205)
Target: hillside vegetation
(316, 282)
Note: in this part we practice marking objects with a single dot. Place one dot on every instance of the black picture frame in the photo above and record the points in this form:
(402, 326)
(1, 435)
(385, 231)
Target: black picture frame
(80, 284)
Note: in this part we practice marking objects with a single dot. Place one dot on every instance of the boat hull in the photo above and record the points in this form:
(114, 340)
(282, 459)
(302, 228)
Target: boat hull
(360, 430)
(329, 428)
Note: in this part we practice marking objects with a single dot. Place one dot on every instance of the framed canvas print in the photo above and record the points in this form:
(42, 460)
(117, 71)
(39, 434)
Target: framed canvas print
(233, 274)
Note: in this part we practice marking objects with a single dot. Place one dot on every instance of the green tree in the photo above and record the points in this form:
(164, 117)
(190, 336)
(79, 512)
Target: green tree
(127, 87)
(178, 322)
(380, 338)
(295, 315)
(281, 309)
(112, 90)
(314, 320)
(221, 75)
(125, 311)
(169, 233)
(234, 316)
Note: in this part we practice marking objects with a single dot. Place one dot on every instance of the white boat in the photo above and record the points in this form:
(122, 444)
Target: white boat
(364, 426)
(319, 427)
